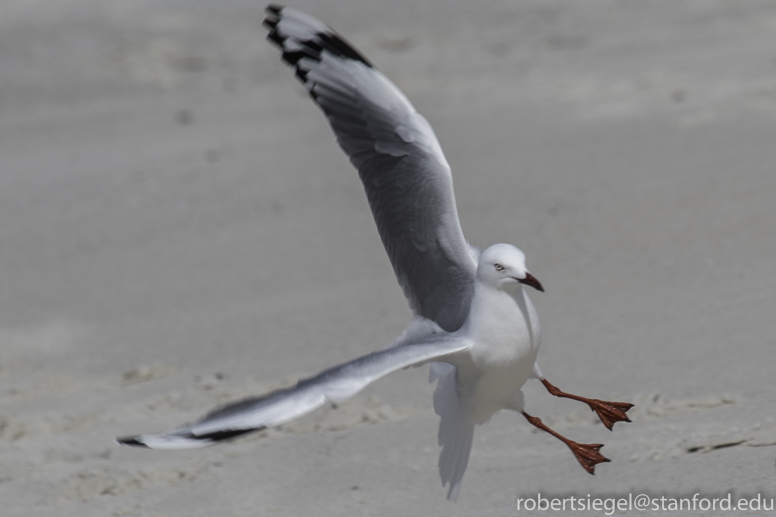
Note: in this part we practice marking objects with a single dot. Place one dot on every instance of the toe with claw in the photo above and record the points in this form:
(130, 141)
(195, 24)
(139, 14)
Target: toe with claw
(588, 455)
(610, 412)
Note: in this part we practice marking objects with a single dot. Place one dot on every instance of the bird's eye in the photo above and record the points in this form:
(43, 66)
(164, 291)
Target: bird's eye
(498, 267)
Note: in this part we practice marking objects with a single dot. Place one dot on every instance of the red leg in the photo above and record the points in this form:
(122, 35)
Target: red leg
(609, 412)
(586, 453)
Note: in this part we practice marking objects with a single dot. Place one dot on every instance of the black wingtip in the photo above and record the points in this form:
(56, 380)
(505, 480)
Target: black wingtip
(274, 9)
(217, 436)
(338, 46)
(131, 441)
(312, 48)
(276, 38)
(301, 74)
(273, 17)
(292, 58)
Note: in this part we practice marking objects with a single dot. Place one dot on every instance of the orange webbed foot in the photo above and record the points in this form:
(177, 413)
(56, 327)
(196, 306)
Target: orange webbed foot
(610, 412)
(588, 455)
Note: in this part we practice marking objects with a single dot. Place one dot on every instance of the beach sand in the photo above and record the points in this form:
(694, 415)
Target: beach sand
(179, 229)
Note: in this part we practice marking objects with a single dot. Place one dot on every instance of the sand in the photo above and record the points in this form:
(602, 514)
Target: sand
(178, 229)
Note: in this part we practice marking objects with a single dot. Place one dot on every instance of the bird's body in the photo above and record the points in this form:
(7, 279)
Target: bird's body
(473, 319)
(504, 330)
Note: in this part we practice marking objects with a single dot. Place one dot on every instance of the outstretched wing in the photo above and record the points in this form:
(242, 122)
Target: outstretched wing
(335, 385)
(398, 157)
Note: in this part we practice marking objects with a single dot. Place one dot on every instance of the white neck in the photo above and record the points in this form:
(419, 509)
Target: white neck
(498, 315)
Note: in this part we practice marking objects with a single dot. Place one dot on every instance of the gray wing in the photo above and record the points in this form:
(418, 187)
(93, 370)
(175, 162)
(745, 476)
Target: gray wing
(398, 157)
(335, 385)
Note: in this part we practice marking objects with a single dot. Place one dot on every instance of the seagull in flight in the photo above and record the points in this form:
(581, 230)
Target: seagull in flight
(473, 320)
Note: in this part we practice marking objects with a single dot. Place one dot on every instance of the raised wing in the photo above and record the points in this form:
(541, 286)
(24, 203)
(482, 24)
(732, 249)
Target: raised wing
(398, 157)
(335, 385)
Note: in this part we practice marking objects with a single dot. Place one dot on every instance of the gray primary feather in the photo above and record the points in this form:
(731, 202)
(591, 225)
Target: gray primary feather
(333, 385)
(400, 162)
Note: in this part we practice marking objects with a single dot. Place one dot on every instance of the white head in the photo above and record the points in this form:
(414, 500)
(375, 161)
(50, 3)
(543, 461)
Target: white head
(503, 266)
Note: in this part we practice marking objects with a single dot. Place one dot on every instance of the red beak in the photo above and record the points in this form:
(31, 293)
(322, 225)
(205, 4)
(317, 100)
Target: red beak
(532, 281)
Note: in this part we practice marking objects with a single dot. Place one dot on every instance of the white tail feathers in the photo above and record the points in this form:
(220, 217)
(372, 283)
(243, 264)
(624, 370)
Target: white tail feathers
(456, 428)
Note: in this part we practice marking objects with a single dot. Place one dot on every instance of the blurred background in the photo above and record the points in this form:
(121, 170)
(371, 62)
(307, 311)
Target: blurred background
(178, 229)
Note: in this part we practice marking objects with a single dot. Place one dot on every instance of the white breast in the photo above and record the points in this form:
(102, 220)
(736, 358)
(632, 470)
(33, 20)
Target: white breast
(505, 330)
